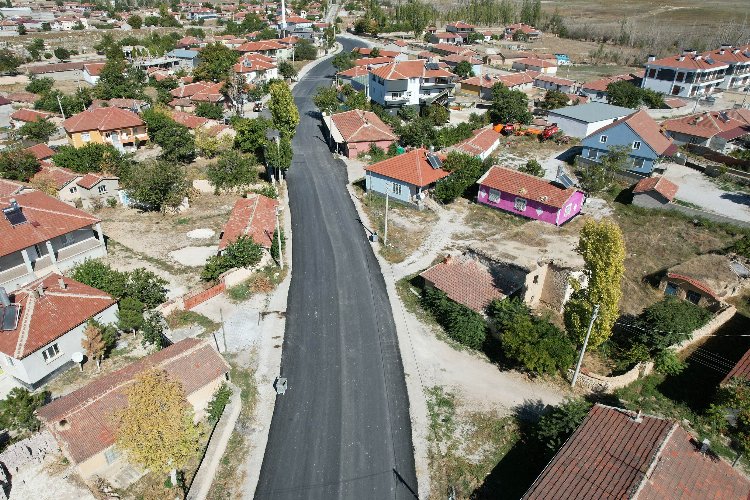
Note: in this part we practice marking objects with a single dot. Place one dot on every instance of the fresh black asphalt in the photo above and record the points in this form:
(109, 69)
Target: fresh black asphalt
(342, 430)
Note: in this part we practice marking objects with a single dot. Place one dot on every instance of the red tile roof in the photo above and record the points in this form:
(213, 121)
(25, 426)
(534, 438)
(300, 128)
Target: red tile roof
(483, 140)
(457, 58)
(90, 180)
(647, 129)
(710, 123)
(616, 454)
(446, 36)
(102, 119)
(404, 70)
(525, 28)
(372, 61)
(61, 177)
(362, 126)
(730, 55)
(600, 85)
(537, 63)
(41, 151)
(5, 101)
(94, 69)
(412, 168)
(661, 185)
(48, 317)
(261, 46)
(462, 25)
(88, 411)
(354, 72)
(190, 120)
(513, 80)
(47, 218)
(530, 187)
(8, 188)
(464, 280)
(26, 97)
(254, 216)
(543, 77)
(30, 115)
(452, 49)
(364, 51)
(689, 62)
(740, 370)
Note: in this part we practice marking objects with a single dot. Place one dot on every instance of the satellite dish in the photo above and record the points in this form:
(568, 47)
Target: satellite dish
(77, 357)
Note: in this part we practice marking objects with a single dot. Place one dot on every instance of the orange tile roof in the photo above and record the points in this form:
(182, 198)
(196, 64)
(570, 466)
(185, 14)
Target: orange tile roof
(354, 72)
(368, 61)
(261, 46)
(488, 81)
(600, 85)
(464, 280)
(661, 185)
(538, 63)
(525, 28)
(88, 411)
(730, 55)
(41, 151)
(26, 97)
(543, 77)
(362, 126)
(648, 130)
(530, 187)
(457, 58)
(404, 70)
(365, 51)
(91, 179)
(190, 120)
(254, 216)
(46, 318)
(710, 123)
(689, 62)
(453, 49)
(411, 167)
(30, 115)
(47, 218)
(102, 119)
(94, 69)
(8, 188)
(253, 62)
(61, 177)
(481, 141)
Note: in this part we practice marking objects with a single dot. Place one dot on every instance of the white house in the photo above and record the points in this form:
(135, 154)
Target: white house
(583, 119)
(410, 83)
(91, 72)
(256, 68)
(687, 75)
(43, 324)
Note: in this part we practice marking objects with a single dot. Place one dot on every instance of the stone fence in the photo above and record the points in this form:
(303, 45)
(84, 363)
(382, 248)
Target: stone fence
(702, 214)
(193, 298)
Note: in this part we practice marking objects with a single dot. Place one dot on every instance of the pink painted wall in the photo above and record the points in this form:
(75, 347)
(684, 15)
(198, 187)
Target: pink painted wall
(355, 148)
(534, 209)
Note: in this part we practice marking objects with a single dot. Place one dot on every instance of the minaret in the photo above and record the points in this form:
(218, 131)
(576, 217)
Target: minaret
(283, 19)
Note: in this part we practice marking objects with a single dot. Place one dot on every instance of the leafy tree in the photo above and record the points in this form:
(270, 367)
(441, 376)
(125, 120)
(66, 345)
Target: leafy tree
(97, 274)
(147, 287)
(598, 176)
(532, 167)
(9, 62)
(93, 157)
(461, 323)
(18, 165)
(158, 185)
(509, 106)
(35, 48)
(118, 80)
(37, 131)
(554, 99)
(733, 398)
(463, 69)
(343, 61)
(216, 63)
(623, 93)
(603, 250)
(327, 99)
(304, 50)
(284, 112)
(135, 21)
(668, 363)
(243, 252)
(17, 410)
(279, 155)
(22, 29)
(251, 135)
(287, 70)
(156, 119)
(209, 145)
(62, 53)
(153, 329)
(233, 169)
(156, 429)
(437, 114)
(210, 110)
(666, 323)
(465, 172)
(38, 85)
(71, 104)
(555, 427)
(653, 99)
(93, 342)
(177, 143)
(356, 100)
(130, 315)
(418, 132)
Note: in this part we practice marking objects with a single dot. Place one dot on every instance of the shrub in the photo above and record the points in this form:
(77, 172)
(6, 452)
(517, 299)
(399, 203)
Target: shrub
(465, 171)
(158, 185)
(140, 284)
(218, 403)
(275, 244)
(532, 167)
(668, 322)
(243, 252)
(461, 324)
(554, 428)
(17, 409)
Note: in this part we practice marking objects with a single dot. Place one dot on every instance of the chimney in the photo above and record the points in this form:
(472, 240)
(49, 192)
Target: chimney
(698, 58)
(651, 58)
(689, 52)
(559, 171)
(725, 46)
(4, 299)
(705, 446)
(40, 290)
(448, 259)
(681, 58)
(61, 282)
(638, 417)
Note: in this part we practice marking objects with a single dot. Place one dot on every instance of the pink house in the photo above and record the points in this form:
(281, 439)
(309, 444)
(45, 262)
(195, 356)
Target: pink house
(353, 132)
(529, 196)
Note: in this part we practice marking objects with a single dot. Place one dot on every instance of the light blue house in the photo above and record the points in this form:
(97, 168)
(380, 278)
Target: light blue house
(639, 134)
(187, 59)
(406, 177)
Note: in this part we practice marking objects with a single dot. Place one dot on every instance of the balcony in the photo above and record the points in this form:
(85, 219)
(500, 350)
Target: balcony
(389, 99)
(14, 275)
(77, 249)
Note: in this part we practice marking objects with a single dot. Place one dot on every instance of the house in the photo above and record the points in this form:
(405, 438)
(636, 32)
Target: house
(255, 217)
(115, 126)
(6, 108)
(270, 48)
(41, 151)
(368, 52)
(482, 85)
(410, 83)
(737, 75)
(358, 77)
(545, 66)
(23, 99)
(9, 188)
(446, 38)
(550, 82)
(197, 92)
(521, 31)
(83, 421)
(454, 59)
(686, 75)
(596, 90)
(190, 41)
(354, 132)
(42, 234)
(96, 189)
(712, 129)
(482, 143)
(256, 68)
(189, 120)
(706, 280)
(464, 30)
(642, 137)
(63, 180)
(186, 59)
(617, 453)
(134, 105)
(22, 116)
(91, 72)
(529, 196)
(43, 324)
(445, 49)
(654, 192)
(373, 62)
(582, 120)
(406, 177)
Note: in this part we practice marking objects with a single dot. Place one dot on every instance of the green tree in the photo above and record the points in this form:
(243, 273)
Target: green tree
(532, 167)
(437, 114)
(287, 70)
(463, 69)
(603, 250)
(251, 135)
(118, 80)
(218, 402)
(304, 50)
(598, 176)
(343, 61)
(97, 274)
(216, 63)
(556, 426)
(37, 131)
(147, 287)
(62, 53)
(284, 112)
(356, 100)
(9, 62)
(153, 329)
(666, 323)
(733, 398)
(35, 48)
(243, 252)
(135, 21)
(22, 29)
(233, 169)
(155, 429)
(130, 315)
(209, 110)
(509, 106)
(465, 170)
(38, 85)
(460, 323)
(177, 143)
(18, 165)
(327, 99)
(17, 410)
(624, 93)
(158, 185)
(279, 155)
(554, 99)
(93, 157)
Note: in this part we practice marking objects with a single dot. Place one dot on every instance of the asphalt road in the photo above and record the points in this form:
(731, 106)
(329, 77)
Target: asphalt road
(342, 430)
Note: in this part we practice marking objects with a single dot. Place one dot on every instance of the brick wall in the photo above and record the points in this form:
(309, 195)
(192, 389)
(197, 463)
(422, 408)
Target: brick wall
(193, 299)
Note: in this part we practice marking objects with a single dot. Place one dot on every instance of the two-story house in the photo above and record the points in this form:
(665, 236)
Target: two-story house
(462, 29)
(410, 83)
(41, 234)
(737, 75)
(687, 75)
(639, 134)
(115, 126)
(256, 68)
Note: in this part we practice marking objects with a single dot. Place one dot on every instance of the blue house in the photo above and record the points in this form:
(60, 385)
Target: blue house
(639, 134)
(406, 177)
(186, 58)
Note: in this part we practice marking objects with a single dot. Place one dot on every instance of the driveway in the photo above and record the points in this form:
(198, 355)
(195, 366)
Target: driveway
(698, 189)
(342, 429)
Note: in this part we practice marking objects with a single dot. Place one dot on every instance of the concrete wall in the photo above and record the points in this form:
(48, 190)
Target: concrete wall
(651, 199)
(600, 383)
(193, 299)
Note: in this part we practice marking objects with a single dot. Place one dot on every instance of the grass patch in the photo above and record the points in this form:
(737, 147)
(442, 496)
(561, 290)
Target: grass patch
(264, 280)
(114, 246)
(181, 319)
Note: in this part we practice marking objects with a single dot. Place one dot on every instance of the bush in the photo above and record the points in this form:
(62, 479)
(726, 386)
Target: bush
(465, 171)
(668, 363)
(243, 252)
(17, 410)
(18, 165)
(463, 325)
(532, 167)
(153, 330)
(218, 403)
(139, 284)
(40, 85)
(232, 170)
(275, 244)
(158, 185)
(554, 428)
(210, 110)
(93, 157)
(668, 322)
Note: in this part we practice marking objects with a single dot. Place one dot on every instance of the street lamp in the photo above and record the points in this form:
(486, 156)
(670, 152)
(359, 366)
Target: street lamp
(278, 236)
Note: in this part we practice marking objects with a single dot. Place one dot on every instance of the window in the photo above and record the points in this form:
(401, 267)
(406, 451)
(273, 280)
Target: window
(38, 251)
(603, 139)
(494, 196)
(593, 153)
(638, 162)
(652, 73)
(637, 145)
(568, 209)
(396, 188)
(73, 189)
(66, 239)
(680, 76)
(396, 95)
(102, 189)
(50, 353)
(520, 204)
(693, 297)
(670, 289)
(111, 455)
(85, 136)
